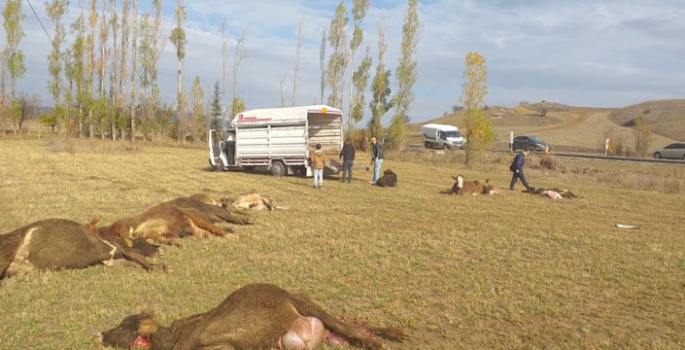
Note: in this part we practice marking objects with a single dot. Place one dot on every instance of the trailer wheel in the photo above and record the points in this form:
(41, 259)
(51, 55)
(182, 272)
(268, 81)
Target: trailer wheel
(278, 169)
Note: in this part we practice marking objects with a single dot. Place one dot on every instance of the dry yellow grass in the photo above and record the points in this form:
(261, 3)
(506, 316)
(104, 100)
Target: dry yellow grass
(497, 272)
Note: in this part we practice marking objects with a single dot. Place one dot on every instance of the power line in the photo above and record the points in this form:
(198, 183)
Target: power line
(61, 55)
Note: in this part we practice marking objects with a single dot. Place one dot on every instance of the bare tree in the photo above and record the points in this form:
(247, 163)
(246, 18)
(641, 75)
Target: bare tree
(56, 10)
(114, 69)
(322, 65)
(224, 62)
(91, 64)
(380, 88)
(134, 56)
(178, 39)
(297, 61)
(238, 57)
(283, 90)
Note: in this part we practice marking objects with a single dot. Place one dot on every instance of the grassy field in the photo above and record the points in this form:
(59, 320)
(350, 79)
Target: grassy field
(499, 272)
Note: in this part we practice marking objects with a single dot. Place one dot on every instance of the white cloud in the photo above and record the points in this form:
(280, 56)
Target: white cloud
(603, 53)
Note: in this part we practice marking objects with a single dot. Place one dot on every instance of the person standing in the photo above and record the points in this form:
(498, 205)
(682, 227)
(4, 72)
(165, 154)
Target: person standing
(318, 161)
(516, 168)
(376, 159)
(347, 155)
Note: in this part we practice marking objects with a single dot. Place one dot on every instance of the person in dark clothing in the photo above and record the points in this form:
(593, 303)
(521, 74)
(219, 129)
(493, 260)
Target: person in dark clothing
(347, 155)
(376, 160)
(516, 168)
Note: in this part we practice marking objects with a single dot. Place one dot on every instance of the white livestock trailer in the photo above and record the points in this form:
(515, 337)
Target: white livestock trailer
(279, 139)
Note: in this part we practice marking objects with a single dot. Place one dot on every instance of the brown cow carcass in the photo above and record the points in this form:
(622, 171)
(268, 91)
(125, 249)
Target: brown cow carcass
(254, 201)
(257, 316)
(165, 224)
(55, 244)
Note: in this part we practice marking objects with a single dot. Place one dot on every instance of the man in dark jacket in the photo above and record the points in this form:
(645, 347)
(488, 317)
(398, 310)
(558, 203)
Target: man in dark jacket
(517, 169)
(376, 159)
(347, 155)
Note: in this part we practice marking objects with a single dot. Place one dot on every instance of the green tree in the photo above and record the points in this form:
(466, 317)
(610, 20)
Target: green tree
(360, 79)
(13, 57)
(198, 124)
(217, 109)
(237, 106)
(406, 77)
(478, 129)
(178, 39)
(134, 69)
(359, 9)
(380, 89)
(337, 61)
(150, 48)
(224, 62)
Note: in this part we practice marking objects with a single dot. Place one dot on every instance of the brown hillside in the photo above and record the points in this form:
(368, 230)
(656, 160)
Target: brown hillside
(568, 128)
(665, 117)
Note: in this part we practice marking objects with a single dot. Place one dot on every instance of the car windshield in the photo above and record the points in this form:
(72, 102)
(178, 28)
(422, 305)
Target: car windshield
(454, 133)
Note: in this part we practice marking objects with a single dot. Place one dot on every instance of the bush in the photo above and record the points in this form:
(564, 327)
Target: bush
(553, 164)
(360, 139)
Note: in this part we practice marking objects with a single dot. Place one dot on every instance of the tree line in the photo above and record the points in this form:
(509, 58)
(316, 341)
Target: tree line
(104, 81)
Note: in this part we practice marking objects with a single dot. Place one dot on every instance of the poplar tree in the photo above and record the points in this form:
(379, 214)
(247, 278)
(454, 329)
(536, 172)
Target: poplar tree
(123, 68)
(178, 39)
(112, 111)
(479, 133)
(337, 39)
(380, 88)
(406, 77)
(360, 79)
(297, 61)
(224, 62)
(322, 64)
(12, 56)
(237, 103)
(216, 108)
(359, 9)
(134, 56)
(198, 118)
(91, 65)
(56, 10)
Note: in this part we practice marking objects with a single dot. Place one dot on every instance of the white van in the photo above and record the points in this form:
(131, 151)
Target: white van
(279, 139)
(442, 136)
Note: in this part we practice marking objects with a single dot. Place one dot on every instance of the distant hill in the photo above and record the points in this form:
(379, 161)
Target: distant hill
(665, 117)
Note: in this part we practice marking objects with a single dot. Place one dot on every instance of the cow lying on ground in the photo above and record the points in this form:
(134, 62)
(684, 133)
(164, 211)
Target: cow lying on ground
(389, 179)
(257, 316)
(552, 193)
(165, 224)
(253, 201)
(472, 188)
(213, 210)
(56, 244)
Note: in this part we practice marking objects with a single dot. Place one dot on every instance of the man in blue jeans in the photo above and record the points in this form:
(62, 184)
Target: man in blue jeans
(517, 169)
(347, 155)
(376, 159)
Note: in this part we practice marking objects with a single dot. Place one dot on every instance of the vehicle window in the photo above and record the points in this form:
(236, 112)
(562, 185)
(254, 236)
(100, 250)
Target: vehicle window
(536, 139)
(454, 133)
(680, 146)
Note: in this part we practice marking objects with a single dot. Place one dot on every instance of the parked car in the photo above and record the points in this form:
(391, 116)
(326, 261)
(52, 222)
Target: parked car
(525, 141)
(675, 150)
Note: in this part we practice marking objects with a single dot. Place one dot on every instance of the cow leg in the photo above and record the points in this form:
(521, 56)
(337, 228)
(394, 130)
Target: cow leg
(198, 222)
(129, 254)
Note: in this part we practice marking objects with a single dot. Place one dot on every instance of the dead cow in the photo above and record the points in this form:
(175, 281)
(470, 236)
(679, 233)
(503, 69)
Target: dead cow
(56, 244)
(552, 193)
(389, 179)
(257, 316)
(212, 209)
(165, 224)
(254, 201)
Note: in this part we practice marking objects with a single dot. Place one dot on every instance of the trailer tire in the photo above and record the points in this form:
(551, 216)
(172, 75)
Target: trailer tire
(278, 168)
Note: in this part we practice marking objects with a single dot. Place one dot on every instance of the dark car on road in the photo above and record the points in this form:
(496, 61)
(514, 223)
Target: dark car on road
(675, 150)
(525, 141)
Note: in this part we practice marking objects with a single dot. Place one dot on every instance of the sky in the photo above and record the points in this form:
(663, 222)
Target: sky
(601, 53)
